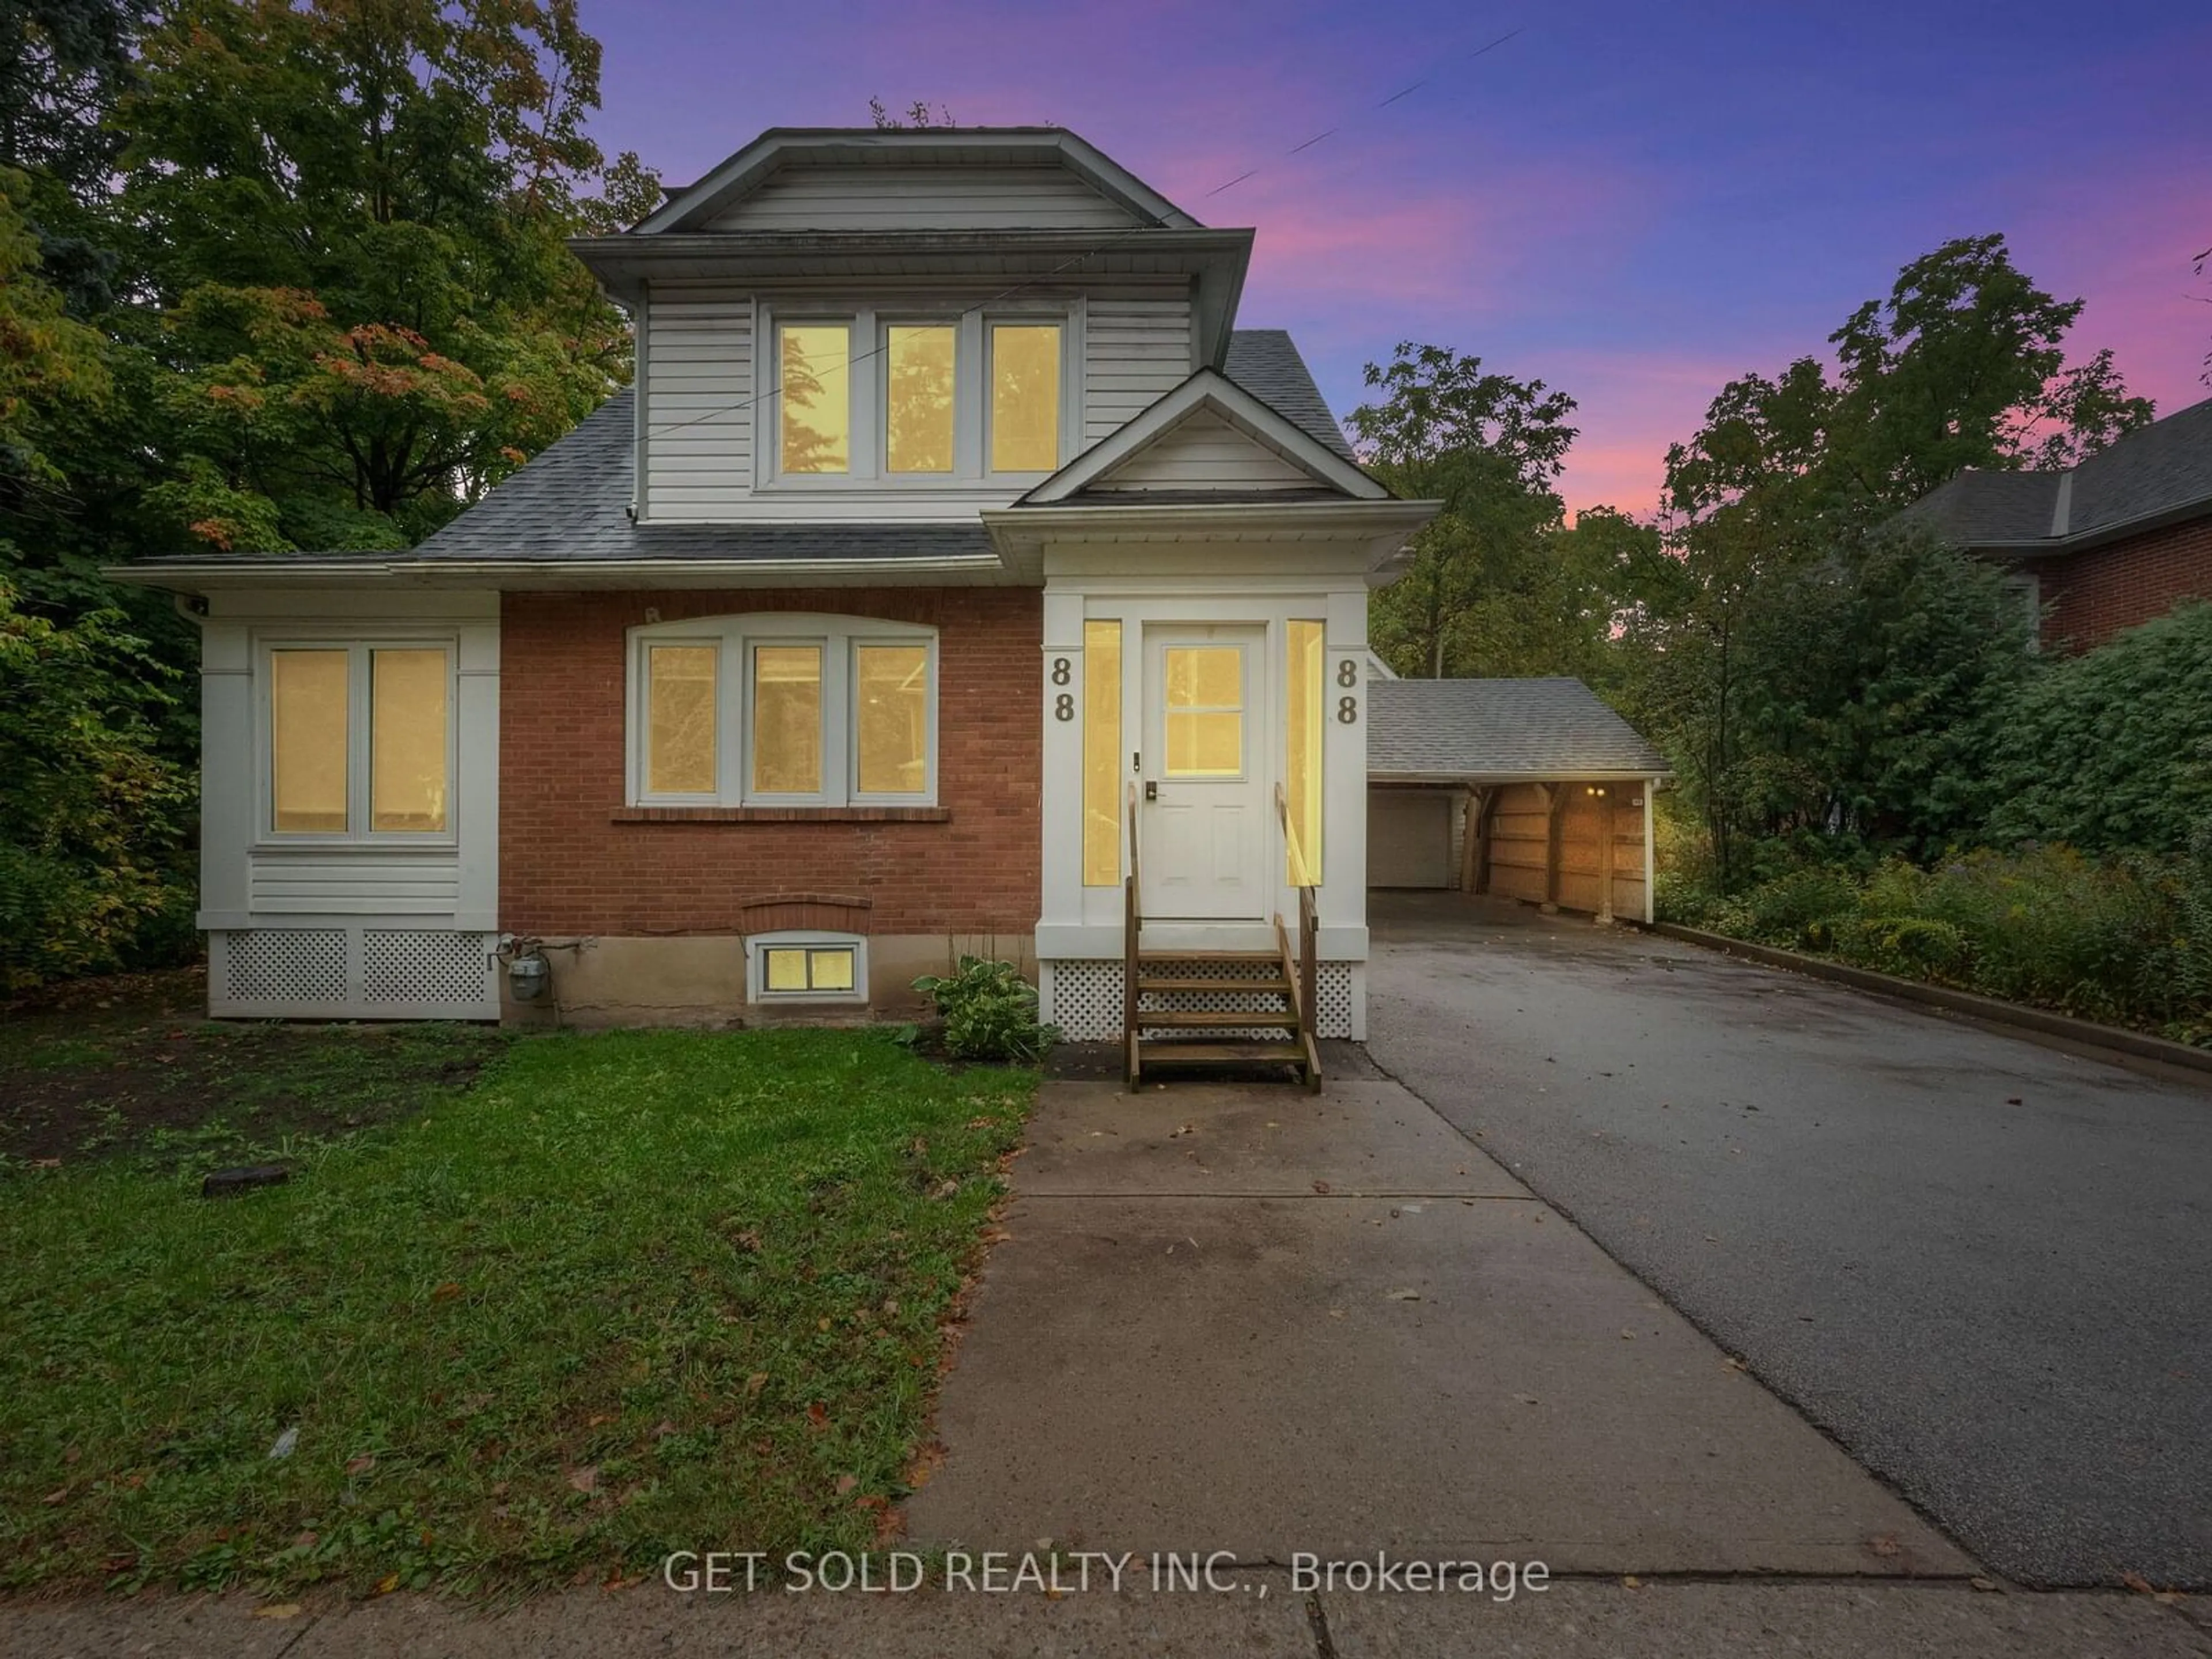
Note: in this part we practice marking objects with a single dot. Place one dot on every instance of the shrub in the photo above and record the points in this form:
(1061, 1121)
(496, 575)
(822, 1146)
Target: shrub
(1784, 910)
(989, 1012)
(2107, 750)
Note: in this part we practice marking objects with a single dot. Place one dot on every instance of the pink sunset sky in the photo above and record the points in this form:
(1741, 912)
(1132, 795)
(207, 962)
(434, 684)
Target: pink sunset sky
(1633, 202)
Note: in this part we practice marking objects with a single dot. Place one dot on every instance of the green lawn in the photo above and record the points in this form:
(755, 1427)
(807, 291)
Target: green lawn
(616, 1295)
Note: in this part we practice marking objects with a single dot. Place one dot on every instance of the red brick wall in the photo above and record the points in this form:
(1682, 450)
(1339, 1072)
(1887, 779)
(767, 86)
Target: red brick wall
(2093, 595)
(567, 866)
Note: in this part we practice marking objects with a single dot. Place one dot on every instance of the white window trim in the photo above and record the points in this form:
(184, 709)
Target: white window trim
(360, 750)
(737, 637)
(758, 944)
(869, 323)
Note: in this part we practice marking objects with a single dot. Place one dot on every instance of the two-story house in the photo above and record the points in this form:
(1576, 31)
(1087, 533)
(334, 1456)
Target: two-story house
(954, 559)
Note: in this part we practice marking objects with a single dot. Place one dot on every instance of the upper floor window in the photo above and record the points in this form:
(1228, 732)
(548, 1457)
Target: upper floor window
(783, 710)
(359, 738)
(883, 398)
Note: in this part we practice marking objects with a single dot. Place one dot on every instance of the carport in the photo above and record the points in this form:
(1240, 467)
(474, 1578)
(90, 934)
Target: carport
(1529, 789)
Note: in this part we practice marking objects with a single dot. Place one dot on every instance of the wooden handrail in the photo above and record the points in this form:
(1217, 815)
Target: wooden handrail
(1132, 926)
(1302, 875)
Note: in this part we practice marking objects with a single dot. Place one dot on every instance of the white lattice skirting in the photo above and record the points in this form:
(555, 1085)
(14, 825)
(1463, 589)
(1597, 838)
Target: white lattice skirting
(1085, 996)
(352, 972)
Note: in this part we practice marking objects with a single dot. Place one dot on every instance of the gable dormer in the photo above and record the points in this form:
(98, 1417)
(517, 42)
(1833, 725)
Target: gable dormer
(855, 325)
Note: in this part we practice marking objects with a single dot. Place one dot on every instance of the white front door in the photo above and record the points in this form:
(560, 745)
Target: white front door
(1205, 822)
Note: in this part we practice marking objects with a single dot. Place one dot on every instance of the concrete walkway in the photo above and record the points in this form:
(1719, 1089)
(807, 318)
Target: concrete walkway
(1574, 1620)
(1249, 1319)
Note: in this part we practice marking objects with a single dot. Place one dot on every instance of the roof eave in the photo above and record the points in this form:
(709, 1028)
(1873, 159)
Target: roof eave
(308, 575)
(2082, 541)
(1543, 775)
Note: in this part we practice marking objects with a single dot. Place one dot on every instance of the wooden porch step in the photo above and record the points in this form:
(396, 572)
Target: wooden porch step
(1252, 1052)
(1273, 988)
(1229, 1019)
(1150, 956)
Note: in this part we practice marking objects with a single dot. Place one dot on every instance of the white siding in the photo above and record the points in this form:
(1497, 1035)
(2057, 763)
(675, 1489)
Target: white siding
(1136, 350)
(698, 402)
(1204, 452)
(339, 929)
(923, 198)
(354, 881)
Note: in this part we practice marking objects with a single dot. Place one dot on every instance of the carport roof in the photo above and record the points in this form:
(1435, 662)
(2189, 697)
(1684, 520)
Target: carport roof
(1499, 731)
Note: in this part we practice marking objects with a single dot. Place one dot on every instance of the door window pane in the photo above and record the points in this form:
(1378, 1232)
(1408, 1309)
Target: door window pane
(1302, 764)
(1204, 731)
(1025, 397)
(307, 692)
(1101, 753)
(407, 741)
(918, 390)
(891, 718)
(680, 720)
(788, 719)
(817, 417)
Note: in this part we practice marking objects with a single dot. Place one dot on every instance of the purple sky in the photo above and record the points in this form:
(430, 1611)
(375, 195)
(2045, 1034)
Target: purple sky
(1633, 201)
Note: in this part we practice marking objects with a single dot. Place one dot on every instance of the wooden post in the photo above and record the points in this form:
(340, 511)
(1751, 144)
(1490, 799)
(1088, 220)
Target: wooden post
(1470, 844)
(1605, 855)
(1651, 869)
(1555, 803)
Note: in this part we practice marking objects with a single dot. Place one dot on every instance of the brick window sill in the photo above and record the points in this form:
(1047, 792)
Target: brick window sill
(782, 815)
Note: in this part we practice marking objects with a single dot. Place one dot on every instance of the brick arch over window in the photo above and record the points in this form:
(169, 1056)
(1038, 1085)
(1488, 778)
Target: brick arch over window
(802, 913)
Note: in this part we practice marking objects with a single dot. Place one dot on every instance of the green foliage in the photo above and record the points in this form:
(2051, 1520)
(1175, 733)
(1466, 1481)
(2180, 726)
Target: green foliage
(1486, 591)
(632, 1292)
(990, 1012)
(2112, 750)
(94, 820)
(1806, 672)
(2127, 942)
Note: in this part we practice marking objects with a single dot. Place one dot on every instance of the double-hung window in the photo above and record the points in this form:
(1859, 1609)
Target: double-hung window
(358, 739)
(907, 398)
(783, 710)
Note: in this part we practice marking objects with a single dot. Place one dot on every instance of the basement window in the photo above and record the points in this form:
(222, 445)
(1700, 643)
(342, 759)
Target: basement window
(807, 968)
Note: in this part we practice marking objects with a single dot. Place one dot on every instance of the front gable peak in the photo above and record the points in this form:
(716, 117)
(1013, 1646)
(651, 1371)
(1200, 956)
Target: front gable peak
(1208, 439)
(847, 178)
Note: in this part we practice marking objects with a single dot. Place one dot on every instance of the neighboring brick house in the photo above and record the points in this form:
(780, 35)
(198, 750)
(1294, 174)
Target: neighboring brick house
(2117, 540)
(952, 539)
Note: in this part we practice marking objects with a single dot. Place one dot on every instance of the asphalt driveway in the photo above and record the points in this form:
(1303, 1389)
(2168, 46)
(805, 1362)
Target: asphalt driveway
(1985, 1265)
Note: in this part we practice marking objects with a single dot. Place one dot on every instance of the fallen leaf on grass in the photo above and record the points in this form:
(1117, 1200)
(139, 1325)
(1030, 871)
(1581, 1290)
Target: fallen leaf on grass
(278, 1610)
(388, 1583)
(817, 1415)
(56, 1496)
(754, 1383)
(446, 1292)
(2138, 1583)
(361, 1464)
(585, 1480)
(846, 1483)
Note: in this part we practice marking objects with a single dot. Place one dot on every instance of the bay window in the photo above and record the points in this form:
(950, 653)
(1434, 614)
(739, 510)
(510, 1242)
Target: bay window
(359, 740)
(783, 710)
(908, 399)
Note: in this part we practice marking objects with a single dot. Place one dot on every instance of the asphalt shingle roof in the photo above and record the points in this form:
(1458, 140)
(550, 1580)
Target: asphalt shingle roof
(1499, 729)
(1266, 364)
(2163, 468)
